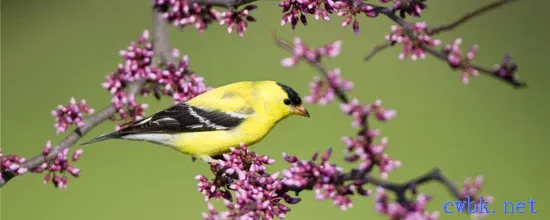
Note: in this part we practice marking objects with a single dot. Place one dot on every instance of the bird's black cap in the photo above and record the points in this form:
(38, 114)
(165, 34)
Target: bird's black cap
(292, 95)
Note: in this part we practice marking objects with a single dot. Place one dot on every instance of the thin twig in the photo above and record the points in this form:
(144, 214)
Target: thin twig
(431, 50)
(377, 49)
(315, 65)
(483, 70)
(468, 16)
(162, 54)
(400, 189)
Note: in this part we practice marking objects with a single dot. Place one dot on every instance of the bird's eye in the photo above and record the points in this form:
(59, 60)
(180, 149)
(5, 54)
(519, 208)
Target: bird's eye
(287, 101)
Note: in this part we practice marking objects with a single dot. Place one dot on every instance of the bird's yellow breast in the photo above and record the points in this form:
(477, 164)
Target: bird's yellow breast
(211, 143)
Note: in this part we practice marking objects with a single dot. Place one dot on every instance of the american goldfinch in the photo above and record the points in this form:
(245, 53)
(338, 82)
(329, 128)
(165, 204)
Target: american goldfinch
(210, 124)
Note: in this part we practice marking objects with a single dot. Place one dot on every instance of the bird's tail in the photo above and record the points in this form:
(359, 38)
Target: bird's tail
(115, 134)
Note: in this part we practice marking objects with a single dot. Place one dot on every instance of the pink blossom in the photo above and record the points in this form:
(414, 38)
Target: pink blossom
(70, 114)
(59, 167)
(47, 148)
(471, 189)
(183, 13)
(137, 65)
(412, 211)
(257, 194)
(457, 60)
(323, 91)
(301, 50)
(360, 112)
(410, 46)
(134, 112)
(296, 10)
(11, 163)
(177, 81)
(362, 149)
(56, 168)
(323, 175)
(237, 19)
(77, 154)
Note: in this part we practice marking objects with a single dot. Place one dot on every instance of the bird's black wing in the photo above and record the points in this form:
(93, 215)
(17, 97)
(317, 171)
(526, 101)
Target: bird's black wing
(185, 118)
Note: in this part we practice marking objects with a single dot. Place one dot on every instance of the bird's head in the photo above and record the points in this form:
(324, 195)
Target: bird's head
(283, 100)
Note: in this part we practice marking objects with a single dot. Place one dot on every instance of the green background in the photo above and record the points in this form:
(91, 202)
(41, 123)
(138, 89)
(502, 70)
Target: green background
(53, 50)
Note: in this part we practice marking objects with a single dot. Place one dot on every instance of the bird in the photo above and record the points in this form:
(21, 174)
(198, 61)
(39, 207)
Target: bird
(210, 124)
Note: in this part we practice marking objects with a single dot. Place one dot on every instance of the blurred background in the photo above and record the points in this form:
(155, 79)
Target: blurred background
(53, 50)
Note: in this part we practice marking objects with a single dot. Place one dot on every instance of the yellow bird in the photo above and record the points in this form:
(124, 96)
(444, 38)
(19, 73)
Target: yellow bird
(211, 123)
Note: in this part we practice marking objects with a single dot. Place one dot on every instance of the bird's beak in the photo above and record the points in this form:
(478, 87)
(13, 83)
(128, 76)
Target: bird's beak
(300, 110)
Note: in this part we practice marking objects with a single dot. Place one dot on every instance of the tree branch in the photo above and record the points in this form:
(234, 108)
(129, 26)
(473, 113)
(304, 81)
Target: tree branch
(407, 27)
(400, 20)
(483, 70)
(162, 55)
(468, 16)
(399, 189)
(377, 49)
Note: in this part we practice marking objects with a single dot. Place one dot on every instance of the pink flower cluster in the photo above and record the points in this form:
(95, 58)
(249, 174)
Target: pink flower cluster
(237, 19)
(11, 163)
(323, 91)
(183, 13)
(258, 195)
(301, 50)
(137, 65)
(324, 178)
(457, 60)
(70, 114)
(175, 80)
(56, 168)
(472, 190)
(394, 210)
(415, 48)
(412, 47)
(296, 10)
(351, 11)
(361, 112)
(362, 148)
